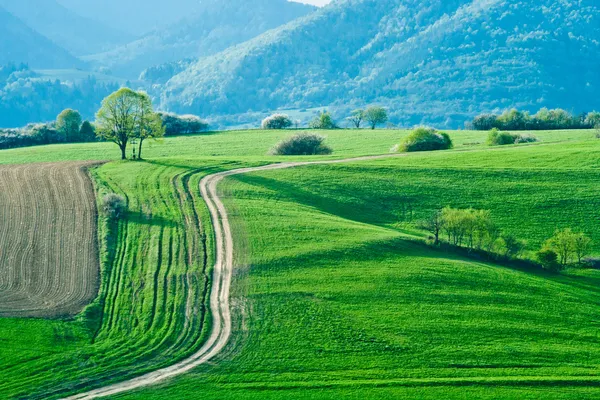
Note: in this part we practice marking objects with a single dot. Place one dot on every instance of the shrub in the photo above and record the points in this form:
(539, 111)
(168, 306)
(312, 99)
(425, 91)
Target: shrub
(277, 121)
(499, 138)
(549, 259)
(302, 144)
(426, 139)
(114, 206)
(323, 121)
(182, 124)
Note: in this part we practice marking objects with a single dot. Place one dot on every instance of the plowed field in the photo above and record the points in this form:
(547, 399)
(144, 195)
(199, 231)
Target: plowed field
(48, 245)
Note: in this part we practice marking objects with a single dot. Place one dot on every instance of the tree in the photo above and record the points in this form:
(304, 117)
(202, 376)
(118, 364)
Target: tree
(116, 118)
(357, 117)
(564, 244)
(323, 121)
(68, 123)
(583, 246)
(376, 116)
(277, 121)
(512, 246)
(434, 224)
(148, 124)
(87, 132)
(549, 259)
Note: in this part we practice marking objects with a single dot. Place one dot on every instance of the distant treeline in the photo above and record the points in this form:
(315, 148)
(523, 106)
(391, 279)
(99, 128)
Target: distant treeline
(545, 119)
(74, 130)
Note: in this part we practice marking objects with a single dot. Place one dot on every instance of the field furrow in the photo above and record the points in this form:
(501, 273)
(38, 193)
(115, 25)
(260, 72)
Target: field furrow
(48, 240)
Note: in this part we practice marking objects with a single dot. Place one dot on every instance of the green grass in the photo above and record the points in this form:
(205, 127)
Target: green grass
(334, 299)
(339, 304)
(154, 273)
(255, 145)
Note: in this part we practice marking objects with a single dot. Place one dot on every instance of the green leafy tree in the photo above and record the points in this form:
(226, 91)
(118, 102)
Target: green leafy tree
(356, 118)
(148, 124)
(68, 124)
(127, 115)
(583, 245)
(116, 118)
(564, 244)
(376, 116)
(549, 259)
(323, 121)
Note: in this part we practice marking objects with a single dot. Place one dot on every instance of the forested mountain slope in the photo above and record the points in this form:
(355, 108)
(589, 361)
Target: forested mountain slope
(435, 61)
(21, 44)
(213, 27)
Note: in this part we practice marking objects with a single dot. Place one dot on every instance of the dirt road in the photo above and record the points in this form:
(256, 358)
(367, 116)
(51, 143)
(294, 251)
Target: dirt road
(222, 273)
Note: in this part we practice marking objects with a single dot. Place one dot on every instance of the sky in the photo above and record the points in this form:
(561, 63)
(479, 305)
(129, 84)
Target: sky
(314, 2)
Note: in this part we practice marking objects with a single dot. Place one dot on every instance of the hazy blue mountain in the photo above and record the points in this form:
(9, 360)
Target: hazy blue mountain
(436, 61)
(214, 27)
(136, 17)
(64, 27)
(21, 44)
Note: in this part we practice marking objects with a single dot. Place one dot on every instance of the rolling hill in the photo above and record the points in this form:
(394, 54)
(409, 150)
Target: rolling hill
(64, 27)
(213, 27)
(21, 44)
(433, 61)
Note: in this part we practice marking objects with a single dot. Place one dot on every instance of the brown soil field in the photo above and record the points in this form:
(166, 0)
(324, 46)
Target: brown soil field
(49, 262)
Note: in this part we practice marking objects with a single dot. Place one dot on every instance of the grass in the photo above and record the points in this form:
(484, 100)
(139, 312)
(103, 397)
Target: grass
(255, 144)
(154, 274)
(333, 297)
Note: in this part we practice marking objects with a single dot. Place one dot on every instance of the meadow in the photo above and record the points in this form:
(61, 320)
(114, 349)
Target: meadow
(335, 295)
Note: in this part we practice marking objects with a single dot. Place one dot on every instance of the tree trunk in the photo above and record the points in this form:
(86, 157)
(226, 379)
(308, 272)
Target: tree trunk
(123, 152)
(140, 149)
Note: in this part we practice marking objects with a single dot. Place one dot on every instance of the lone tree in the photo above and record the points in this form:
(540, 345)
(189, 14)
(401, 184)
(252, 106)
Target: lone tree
(376, 116)
(68, 124)
(125, 115)
(357, 117)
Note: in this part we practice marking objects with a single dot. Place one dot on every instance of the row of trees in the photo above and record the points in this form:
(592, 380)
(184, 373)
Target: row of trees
(67, 128)
(373, 116)
(473, 229)
(544, 119)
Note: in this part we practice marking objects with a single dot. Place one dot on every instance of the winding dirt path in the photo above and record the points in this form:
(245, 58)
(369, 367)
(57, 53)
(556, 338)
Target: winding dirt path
(221, 283)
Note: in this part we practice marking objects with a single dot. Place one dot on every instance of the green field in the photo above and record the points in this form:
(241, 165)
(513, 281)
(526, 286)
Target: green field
(334, 295)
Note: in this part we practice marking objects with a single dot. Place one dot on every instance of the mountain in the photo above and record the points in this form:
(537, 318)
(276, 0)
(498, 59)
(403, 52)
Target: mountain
(136, 17)
(77, 34)
(216, 26)
(435, 61)
(21, 44)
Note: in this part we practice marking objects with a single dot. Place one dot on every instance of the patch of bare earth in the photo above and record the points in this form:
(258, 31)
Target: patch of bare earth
(49, 264)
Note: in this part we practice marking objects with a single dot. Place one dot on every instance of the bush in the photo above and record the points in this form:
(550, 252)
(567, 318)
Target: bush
(498, 138)
(277, 121)
(114, 206)
(426, 139)
(549, 260)
(182, 124)
(302, 144)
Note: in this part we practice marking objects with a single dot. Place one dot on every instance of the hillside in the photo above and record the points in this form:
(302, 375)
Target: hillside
(117, 13)
(333, 295)
(213, 27)
(431, 61)
(64, 27)
(21, 44)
